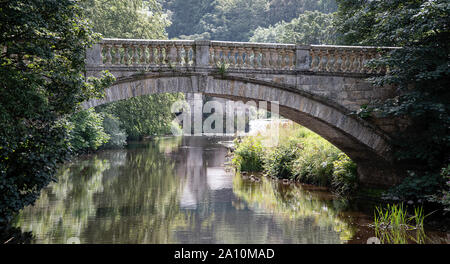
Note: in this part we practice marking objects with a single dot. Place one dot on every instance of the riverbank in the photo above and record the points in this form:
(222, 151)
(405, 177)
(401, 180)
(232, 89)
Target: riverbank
(297, 154)
(301, 156)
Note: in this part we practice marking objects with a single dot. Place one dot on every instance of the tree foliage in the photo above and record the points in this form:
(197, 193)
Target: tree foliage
(127, 18)
(146, 115)
(307, 28)
(186, 15)
(286, 10)
(234, 20)
(140, 116)
(43, 45)
(87, 131)
(420, 70)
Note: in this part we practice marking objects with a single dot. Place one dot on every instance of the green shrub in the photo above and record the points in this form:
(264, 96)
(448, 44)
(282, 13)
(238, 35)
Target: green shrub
(301, 155)
(248, 155)
(345, 177)
(315, 162)
(279, 161)
(86, 132)
(143, 116)
(416, 187)
(117, 135)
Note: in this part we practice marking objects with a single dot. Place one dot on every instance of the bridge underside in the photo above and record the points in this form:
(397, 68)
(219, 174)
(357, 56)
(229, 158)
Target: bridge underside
(361, 141)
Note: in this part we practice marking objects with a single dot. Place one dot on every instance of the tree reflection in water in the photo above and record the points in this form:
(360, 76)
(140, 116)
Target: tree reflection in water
(177, 190)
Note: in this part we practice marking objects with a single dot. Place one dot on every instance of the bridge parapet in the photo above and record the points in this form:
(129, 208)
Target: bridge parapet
(159, 54)
(345, 59)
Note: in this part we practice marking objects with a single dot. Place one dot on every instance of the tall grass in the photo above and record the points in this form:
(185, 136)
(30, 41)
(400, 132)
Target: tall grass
(394, 225)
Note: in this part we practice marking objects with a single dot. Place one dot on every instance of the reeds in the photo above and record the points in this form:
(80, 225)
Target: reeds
(393, 225)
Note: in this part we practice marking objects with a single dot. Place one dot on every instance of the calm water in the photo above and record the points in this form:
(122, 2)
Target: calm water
(179, 190)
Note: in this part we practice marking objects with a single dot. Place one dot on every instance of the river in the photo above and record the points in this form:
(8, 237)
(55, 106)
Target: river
(180, 190)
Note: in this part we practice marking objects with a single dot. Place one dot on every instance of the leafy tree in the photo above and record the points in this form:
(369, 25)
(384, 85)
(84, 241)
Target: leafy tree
(185, 15)
(308, 28)
(234, 20)
(43, 45)
(87, 132)
(113, 127)
(286, 10)
(127, 18)
(420, 70)
(146, 115)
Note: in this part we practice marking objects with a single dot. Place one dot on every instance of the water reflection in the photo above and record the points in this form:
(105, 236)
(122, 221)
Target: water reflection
(177, 190)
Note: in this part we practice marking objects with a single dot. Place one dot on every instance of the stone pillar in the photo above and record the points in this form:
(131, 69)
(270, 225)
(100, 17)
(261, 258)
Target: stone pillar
(201, 54)
(93, 59)
(94, 55)
(302, 58)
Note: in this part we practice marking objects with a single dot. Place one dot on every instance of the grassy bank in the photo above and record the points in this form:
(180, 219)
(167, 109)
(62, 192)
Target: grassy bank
(300, 155)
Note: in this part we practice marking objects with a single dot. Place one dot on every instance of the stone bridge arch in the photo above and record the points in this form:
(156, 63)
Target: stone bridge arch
(316, 86)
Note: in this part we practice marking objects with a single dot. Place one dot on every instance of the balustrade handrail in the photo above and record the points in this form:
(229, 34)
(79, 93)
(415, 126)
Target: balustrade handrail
(144, 41)
(236, 55)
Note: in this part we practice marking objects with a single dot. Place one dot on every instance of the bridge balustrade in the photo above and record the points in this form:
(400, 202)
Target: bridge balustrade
(154, 54)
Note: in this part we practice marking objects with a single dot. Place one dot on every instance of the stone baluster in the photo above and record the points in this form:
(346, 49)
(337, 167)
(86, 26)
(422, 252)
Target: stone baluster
(143, 55)
(151, 55)
(194, 56)
(166, 54)
(337, 61)
(290, 59)
(282, 55)
(250, 58)
(330, 60)
(135, 55)
(240, 57)
(351, 61)
(344, 58)
(211, 55)
(272, 58)
(217, 55)
(186, 55)
(361, 61)
(257, 58)
(233, 57)
(126, 55)
(108, 58)
(320, 60)
(266, 58)
(314, 61)
(179, 56)
(158, 55)
(171, 53)
(117, 56)
(223, 57)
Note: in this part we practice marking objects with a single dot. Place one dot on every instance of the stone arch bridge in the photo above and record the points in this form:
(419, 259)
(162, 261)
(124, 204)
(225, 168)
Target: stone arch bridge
(318, 87)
